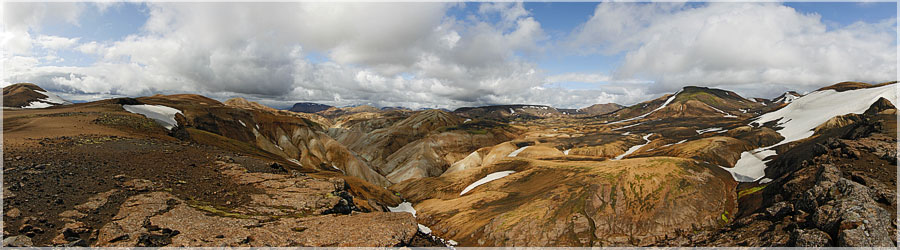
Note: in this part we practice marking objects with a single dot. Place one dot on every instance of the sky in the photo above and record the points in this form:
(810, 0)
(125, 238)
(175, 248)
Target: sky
(444, 55)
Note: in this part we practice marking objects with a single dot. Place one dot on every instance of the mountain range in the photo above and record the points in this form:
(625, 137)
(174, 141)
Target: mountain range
(697, 167)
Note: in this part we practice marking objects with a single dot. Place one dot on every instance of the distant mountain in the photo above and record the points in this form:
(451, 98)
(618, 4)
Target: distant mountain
(394, 108)
(28, 95)
(441, 109)
(787, 97)
(599, 109)
(844, 86)
(244, 103)
(508, 111)
(309, 107)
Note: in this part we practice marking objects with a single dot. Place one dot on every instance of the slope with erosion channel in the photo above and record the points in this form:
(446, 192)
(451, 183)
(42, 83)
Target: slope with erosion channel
(294, 138)
(423, 144)
(691, 102)
(562, 202)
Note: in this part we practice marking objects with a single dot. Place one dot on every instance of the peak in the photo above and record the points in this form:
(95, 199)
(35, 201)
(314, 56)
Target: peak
(787, 97)
(29, 95)
(705, 94)
(236, 100)
(844, 86)
(599, 109)
(24, 85)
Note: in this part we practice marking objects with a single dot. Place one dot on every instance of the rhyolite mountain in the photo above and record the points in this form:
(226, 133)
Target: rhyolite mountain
(697, 167)
(599, 109)
(27, 95)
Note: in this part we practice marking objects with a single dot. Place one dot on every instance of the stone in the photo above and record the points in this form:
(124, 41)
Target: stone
(96, 201)
(18, 241)
(810, 238)
(139, 185)
(13, 213)
(779, 210)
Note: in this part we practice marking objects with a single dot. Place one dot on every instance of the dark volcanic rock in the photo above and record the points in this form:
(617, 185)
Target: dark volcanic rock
(308, 107)
(810, 238)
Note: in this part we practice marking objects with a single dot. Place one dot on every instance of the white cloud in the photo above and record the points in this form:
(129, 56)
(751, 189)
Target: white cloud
(56, 42)
(410, 54)
(415, 55)
(758, 49)
(578, 77)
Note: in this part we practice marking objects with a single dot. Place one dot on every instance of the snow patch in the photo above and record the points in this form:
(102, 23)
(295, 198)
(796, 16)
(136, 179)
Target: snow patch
(567, 151)
(511, 111)
(467, 120)
(798, 119)
(515, 153)
(162, 114)
(765, 180)
(670, 144)
(242, 123)
(295, 161)
(635, 148)
(37, 105)
(486, 179)
(752, 165)
(707, 130)
(632, 125)
(801, 116)
(403, 207)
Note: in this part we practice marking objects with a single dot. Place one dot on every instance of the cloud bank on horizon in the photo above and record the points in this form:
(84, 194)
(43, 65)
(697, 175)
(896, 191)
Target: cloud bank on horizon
(443, 55)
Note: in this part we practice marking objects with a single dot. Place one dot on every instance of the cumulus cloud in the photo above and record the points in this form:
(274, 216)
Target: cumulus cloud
(759, 49)
(417, 55)
(410, 53)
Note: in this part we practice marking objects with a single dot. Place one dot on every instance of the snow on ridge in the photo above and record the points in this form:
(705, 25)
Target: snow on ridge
(162, 114)
(515, 153)
(800, 117)
(634, 148)
(567, 151)
(52, 98)
(47, 102)
(788, 97)
(486, 179)
(671, 98)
